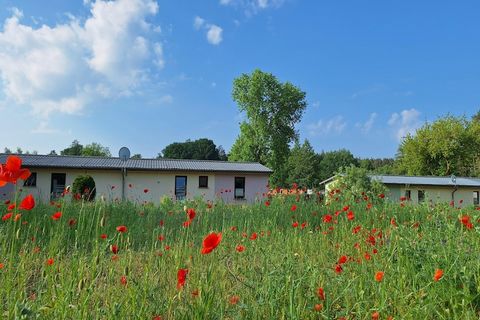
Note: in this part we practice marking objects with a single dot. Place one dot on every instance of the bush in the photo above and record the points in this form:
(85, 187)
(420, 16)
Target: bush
(84, 188)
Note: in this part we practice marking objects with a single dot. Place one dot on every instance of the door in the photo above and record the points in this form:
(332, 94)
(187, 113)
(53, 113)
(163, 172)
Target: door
(180, 187)
(57, 185)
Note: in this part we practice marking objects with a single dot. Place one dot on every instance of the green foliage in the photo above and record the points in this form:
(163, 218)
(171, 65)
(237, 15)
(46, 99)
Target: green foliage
(75, 149)
(273, 109)
(355, 184)
(303, 166)
(201, 149)
(379, 165)
(84, 185)
(96, 150)
(331, 162)
(136, 156)
(449, 145)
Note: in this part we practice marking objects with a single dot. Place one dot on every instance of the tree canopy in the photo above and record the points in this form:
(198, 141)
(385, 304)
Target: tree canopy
(93, 149)
(449, 145)
(272, 109)
(201, 149)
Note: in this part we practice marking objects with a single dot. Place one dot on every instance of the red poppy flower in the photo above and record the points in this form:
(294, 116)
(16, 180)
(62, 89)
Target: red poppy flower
(327, 218)
(7, 202)
(438, 275)
(123, 280)
(321, 293)
(7, 216)
(379, 276)
(234, 300)
(157, 318)
(293, 207)
(191, 213)
(240, 248)
(11, 171)
(356, 229)
(17, 217)
(145, 190)
(303, 225)
(28, 203)
(103, 236)
(1, 266)
(381, 196)
(253, 236)
(318, 307)
(181, 277)
(342, 260)
(56, 215)
(350, 215)
(11, 207)
(187, 223)
(122, 229)
(233, 228)
(295, 224)
(49, 261)
(161, 237)
(367, 256)
(375, 315)
(211, 242)
(114, 248)
(346, 208)
(338, 269)
(267, 203)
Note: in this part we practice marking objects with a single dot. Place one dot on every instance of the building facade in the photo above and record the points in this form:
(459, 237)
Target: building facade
(143, 180)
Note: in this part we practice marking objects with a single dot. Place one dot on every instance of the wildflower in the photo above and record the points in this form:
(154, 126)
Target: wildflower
(342, 260)
(381, 196)
(1, 266)
(367, 256)
(6, 202)
(187, 223)
(28, 203)
(438, 275)
(293, 207)
(114, 248)
(11, 207)
(303, 225)
(338, 269)
(161, 237)
(318, 307)
(211, 242)
(375, 315)
(295, 224)
(233, 228)
(50, 261)
(7, 216)
(191, 213)
(56, 215)
(356, 229)
(267, 203)
(103, 236)
(122, 229)
(253, 236)
(123, 280)
(181, 277)
(379, 276)
(145, 190)
(327, 218)
(234, 300)
(11, 171)
(393, 222)
(17, 217)
(403, 198)
(321, 293)
(156, 318)
(72, 222)
(240, 248)
(350, 215)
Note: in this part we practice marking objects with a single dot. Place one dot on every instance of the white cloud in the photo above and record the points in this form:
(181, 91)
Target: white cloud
(405, 122)
(214, 34)
(43, 128)
(198, 22)
(65, 67)
(367, 126)
(251, 7)
(335, 125)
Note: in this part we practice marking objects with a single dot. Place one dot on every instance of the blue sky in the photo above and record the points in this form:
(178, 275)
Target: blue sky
(145, 73)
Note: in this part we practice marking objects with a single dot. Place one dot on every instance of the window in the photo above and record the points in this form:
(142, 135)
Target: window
(180, 187)
(408, 194)
(31, 181)
(57, 185)
(239, 188)
(203, 181)
(421, 196)
(476, 198)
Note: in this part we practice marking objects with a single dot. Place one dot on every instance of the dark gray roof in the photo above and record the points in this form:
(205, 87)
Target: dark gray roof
(428, 181)
(52, 161)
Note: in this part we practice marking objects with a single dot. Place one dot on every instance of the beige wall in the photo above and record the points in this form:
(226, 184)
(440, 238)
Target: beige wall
(435, 194)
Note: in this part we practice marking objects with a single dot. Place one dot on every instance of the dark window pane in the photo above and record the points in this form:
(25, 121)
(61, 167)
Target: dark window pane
(239, 188)
(421, 196)
(31, 181)
(180, 187)
(203, 182)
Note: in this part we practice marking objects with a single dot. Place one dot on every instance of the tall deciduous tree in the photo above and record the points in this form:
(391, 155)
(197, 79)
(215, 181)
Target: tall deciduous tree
(96, 149)
(201, 149)
(303, 165)
(332, 161)
(75, 149)
(273, 109)
(449, 145)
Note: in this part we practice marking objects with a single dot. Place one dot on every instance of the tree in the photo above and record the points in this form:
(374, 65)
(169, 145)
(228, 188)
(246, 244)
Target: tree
(331, 162)
(476, 116)
(378, 166)
(201, 149)
(136, 156)
(96, 149)
(355, 184)
(75, 149)
(273, 109)
(303, 166)
(449, 145)
(53, 153)
(7, 150)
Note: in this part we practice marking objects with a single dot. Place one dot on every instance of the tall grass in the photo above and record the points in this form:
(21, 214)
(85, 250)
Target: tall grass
(276, 277)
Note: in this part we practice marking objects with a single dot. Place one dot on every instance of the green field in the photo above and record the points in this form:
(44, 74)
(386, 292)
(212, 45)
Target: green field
(277, 276)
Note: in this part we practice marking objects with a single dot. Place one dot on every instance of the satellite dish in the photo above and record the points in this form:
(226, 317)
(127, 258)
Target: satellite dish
(124, 154)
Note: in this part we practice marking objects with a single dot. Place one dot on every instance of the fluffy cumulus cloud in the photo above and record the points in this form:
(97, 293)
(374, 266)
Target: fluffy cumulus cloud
(213, 32)
(335, 125)
(405, 122)
(367, 125)
(65, 67)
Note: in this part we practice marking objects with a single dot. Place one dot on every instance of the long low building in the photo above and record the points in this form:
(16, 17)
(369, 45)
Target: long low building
(419, 189)
(144, 179)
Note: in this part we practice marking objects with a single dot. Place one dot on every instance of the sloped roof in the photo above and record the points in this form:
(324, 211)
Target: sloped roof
(79, 162)
(428, 181)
